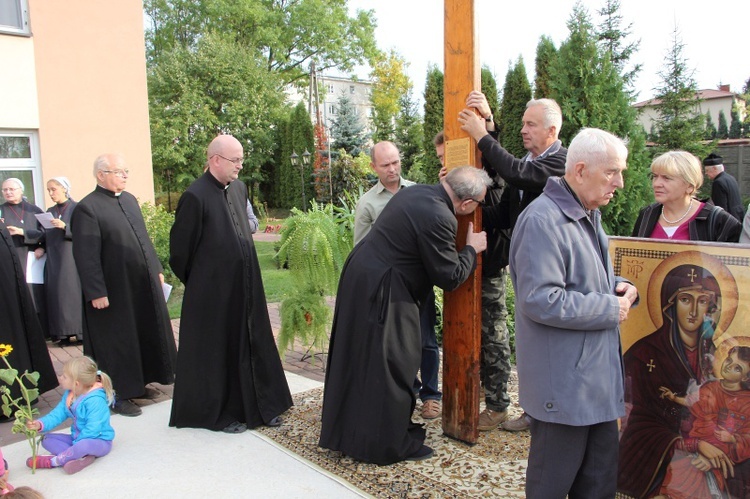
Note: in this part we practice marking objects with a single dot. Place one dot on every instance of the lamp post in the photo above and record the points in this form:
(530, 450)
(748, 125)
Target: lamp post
(168, 173)
(294, 158)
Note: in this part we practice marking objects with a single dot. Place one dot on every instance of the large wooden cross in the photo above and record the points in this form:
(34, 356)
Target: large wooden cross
(462, 314)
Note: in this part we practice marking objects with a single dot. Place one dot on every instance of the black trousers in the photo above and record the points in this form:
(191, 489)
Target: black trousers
(574, 461)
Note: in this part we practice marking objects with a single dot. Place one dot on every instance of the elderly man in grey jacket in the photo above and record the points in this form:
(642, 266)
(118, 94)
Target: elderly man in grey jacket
(568, 309)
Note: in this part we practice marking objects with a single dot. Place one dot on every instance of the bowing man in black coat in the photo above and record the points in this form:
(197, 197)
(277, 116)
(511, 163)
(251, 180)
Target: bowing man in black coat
(376, 344)
(229, 374)
(126, 323)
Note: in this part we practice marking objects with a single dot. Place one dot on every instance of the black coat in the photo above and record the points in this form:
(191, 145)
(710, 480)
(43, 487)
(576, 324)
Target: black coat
(725, 193)
(376, 346)
(62, 285)
(19, 326)
(132, 339)
(228, 367)
(710, 224)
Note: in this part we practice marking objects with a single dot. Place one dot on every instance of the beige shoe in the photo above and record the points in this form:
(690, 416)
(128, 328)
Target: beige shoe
(521, 423)
(489, 419)
(431, 409)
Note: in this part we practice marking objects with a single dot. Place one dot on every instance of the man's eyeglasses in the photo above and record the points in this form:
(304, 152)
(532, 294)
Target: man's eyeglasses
(477, 201)
(10, 189)
(236, 161)
(118, 173)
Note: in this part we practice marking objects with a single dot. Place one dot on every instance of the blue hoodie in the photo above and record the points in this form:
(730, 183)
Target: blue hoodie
(90, 415)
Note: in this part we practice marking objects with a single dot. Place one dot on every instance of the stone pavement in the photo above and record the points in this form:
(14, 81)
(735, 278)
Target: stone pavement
(295, 361)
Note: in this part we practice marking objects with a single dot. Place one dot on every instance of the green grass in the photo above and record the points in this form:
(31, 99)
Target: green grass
(277, 283)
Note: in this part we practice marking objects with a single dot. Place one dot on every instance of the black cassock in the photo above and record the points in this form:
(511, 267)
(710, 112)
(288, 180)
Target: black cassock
(21, 215)
(61, 283)
(228, 367)
(19, 326)
(132, 339)
(375, 347)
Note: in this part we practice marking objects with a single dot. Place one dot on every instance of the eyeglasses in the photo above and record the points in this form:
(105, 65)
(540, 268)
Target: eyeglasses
(118, 173)
(236, 161)
(10, 189)
(477, 201)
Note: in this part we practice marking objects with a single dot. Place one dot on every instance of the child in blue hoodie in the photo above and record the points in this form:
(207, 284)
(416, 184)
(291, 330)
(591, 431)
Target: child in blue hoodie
(87, 398)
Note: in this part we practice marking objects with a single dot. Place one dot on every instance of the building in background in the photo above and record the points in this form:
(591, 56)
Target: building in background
(73, 87)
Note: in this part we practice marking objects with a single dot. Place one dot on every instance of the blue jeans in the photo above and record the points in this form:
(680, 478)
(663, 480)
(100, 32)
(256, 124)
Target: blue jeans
(430, 365)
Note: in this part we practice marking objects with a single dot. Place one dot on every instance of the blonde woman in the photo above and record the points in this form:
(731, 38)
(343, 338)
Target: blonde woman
(677, 214)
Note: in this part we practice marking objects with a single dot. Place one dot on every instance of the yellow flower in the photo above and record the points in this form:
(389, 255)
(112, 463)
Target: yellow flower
(5, 350)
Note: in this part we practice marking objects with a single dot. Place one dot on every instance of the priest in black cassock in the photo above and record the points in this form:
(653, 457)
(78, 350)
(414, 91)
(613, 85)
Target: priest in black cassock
(19, 326)
(376, 346)
(126, 323)
(229, 374)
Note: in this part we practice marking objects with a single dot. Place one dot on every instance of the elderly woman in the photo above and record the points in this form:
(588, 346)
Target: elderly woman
(62, 285)
(677, 214)
(27, 235)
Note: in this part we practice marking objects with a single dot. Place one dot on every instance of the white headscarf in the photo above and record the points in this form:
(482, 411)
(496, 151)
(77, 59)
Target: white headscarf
(65, 183)
(17, 181)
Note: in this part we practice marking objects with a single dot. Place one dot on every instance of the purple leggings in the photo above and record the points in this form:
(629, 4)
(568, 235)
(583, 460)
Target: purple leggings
(65, 450)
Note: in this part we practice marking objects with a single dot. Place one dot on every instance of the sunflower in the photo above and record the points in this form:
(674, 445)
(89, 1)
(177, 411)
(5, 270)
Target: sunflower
(5, 350)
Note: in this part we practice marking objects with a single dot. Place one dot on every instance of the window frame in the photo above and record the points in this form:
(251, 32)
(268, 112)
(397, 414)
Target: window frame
(25, 28)
(32, 164)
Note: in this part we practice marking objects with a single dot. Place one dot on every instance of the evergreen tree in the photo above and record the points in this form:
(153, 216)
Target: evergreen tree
(678, 124)
(409, 139)
(545, 54)
(613, 38)
(489, 89)
(710, 131)
(433, 121)
(746, 96)
(723, 130)
(516, 93)
(734, 127)
(347, 128)
(288, 180)
(592, 93)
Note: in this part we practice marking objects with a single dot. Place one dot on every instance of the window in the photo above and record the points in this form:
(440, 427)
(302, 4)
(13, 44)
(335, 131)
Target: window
(14, 17)
(330, 88)
(19, 158)
(331, 109)
(351, 89)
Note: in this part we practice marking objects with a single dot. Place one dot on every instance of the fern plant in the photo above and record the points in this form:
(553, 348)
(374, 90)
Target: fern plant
(314, 248)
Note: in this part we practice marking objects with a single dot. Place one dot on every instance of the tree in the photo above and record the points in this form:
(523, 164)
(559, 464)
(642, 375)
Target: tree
(679, 124)
(409, 138)
(433, 121)
(389, 84)
(287, 35)
(613, 38)
(489, 89)
(735, 126)
(347, 128)
(516, 93)
(194, 95)
(592, 93)
(723, 130)
(710, 131)
(545, 54)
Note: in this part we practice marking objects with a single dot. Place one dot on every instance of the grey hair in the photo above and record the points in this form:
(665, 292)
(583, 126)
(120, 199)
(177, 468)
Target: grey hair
(593, 146)
(552, 112)
(105, 161)
(467, 182)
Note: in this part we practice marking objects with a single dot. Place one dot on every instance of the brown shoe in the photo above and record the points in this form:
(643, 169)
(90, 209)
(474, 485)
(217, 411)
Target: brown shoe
(431, 409)
(521, 423)
(489, 419)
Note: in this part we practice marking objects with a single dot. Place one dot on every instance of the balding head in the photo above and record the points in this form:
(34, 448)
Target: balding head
(225, 156)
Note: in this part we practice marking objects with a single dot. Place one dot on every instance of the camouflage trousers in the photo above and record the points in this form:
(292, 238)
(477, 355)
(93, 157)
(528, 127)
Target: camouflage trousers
(494, 368)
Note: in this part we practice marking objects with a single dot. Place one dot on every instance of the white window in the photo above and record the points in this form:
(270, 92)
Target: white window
(14, 17)
(330, 88)
(19, 158)
(351, 89)
(331, 109)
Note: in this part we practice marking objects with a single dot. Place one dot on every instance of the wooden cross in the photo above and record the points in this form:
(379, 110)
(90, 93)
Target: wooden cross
(462, 313)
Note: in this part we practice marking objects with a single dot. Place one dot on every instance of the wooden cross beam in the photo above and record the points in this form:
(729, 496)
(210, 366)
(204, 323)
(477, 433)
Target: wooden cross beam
(462, 314)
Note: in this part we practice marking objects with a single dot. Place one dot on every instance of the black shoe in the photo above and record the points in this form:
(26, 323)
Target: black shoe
(235, 427)
(150, 394)
(126, 408)
(275, 422)
(421, 454)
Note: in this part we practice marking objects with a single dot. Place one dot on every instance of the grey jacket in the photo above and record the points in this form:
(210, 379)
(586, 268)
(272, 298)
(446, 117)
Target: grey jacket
(567, 315)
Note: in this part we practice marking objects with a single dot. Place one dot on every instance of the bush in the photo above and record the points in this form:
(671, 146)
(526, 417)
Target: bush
(158, 224)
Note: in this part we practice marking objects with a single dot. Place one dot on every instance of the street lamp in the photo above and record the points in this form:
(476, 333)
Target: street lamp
(294, 158)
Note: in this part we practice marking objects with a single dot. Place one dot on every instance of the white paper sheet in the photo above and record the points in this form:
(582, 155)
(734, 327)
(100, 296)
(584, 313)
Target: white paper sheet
(35, 268)
(45, 219)
(167, 290)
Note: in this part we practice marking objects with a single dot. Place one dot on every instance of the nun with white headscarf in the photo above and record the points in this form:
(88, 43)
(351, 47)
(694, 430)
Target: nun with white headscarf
(62, 284)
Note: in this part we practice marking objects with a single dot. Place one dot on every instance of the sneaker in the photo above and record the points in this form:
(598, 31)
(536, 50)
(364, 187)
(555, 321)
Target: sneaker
(489, 419)
(126, 408)
(77, 465)
(42, 462)
(431, 409)
(421, 454)
(521, 423)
